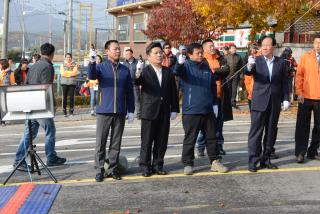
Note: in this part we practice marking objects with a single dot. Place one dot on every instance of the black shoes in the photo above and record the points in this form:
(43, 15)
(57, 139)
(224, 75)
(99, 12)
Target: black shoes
(313, 157)
(300, 158)
(146, 172)
(159, 170)
(115, 175)
(100, 176)
(268, 166)
(273, 156)
(252, 167)
(56, 162)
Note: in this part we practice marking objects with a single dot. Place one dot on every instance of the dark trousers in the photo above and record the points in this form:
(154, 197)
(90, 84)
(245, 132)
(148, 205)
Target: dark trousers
(192, 124)
(156, 133)
(68, 90)
(233, 87)
(137, 100)
(268, 121)
(303, 128)
(105, 122)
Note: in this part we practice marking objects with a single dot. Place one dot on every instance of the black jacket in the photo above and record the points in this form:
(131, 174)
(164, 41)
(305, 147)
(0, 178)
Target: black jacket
(153, 95)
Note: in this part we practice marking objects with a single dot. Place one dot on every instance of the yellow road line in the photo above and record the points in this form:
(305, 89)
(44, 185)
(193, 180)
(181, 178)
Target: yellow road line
(176, 175)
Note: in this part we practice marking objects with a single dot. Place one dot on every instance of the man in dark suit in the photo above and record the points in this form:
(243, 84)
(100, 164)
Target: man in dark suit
(269, 91)
(159, 103)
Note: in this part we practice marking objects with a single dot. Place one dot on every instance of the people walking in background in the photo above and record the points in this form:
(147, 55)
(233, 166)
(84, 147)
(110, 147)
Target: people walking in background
(6, 77)
(235, 63)
(41, 73)
(292, 67)
(93, 87)
(69, 71)
(169, 60)
(20, 74)
(308, 91)
(35, 58)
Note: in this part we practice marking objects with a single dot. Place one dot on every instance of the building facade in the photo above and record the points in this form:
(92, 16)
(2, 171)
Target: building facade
(130, 19)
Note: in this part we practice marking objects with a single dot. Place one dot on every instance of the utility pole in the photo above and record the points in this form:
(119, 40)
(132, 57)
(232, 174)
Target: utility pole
(5, 29)
(64, 37)
(70, 26)
(23, 32)
(50, 22)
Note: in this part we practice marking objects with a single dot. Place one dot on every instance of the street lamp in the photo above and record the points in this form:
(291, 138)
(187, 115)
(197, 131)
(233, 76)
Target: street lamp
(64, 31)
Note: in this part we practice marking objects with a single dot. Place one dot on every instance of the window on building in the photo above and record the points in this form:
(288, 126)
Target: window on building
(123, 28)
(138, 25)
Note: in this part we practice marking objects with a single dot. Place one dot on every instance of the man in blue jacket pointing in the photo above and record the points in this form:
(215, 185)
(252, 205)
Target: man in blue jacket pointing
(115, 100)
(199, 107)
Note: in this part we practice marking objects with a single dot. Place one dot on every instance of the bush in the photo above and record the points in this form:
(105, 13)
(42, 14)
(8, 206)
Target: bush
(78, 101)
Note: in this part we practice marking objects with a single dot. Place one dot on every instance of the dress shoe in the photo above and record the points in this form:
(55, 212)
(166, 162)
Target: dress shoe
(300, 159)
(115, 175)
(146, 173)
(268, 166)
(100, 176)
(158, 171)
(252, 167)
(273, 156)
(314, 157)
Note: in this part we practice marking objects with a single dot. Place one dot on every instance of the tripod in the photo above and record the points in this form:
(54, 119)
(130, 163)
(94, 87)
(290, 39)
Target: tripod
(33, 157)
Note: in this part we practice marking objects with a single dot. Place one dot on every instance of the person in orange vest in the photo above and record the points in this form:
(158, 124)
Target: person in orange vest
(220, 69)
(308, 91)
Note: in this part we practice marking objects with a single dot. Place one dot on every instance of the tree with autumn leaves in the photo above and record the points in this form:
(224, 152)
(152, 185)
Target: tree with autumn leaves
(185, 21)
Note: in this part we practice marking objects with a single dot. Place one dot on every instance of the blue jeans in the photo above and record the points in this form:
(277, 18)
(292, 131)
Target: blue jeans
(93, 99)
(50, 138)
(201, 144)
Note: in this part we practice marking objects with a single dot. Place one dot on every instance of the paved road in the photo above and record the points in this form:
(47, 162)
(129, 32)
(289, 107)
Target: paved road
(292, 189)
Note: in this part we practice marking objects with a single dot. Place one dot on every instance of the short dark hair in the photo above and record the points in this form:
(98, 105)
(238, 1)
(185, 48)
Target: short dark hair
(98, 56)
(68, 54)
(206, 41)
(47, 49)
(226, 48)
(153, 45)
(233, 45)
(166, 44)
(108, 43)
(10, 58)
(25, 61)
(317, 35)
(274, 41)
(129, 49)
(4, 63)
(193, 46)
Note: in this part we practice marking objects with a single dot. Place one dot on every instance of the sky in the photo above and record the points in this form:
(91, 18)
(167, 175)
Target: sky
(37, 14)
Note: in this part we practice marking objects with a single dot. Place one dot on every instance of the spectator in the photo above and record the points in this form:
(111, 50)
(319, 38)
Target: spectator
(11, 64)
(169, 60)
(35, 58)
(20, 74)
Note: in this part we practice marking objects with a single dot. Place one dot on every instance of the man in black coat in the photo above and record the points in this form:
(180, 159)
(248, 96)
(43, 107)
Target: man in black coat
(159, 102)
(269, 91)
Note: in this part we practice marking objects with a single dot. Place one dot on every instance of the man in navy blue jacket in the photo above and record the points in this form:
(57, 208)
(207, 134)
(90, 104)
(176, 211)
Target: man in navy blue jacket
(199, 107)
(269, 91)
(115, 100)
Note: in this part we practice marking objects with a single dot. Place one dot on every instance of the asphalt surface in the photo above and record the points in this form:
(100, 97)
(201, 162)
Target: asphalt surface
(294, 188)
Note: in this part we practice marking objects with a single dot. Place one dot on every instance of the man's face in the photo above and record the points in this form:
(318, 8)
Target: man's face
(24, 66)
(10, 61)
(208, 48)
(167, 49)
(233, 50)
(113, 52)
(68, 59)
(128, 55)
(155, 57)
(197, 55)
(267, 48)
(316, 45)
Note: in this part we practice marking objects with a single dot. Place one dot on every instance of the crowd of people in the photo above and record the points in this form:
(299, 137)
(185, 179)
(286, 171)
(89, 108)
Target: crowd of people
(205, 78)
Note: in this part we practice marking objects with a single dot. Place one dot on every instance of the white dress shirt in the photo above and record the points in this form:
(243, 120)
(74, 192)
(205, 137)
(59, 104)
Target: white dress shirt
(158, 73)
(270, 65)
